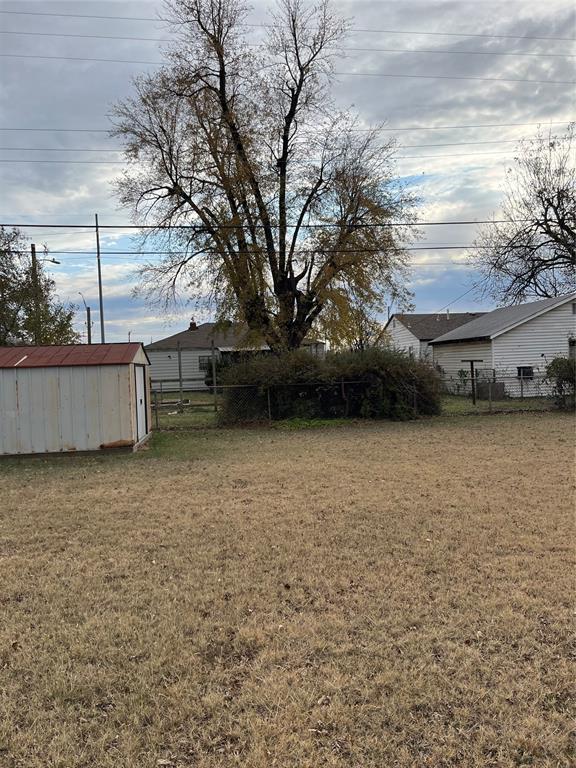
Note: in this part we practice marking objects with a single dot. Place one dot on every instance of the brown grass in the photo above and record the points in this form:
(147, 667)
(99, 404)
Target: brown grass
(368, 596)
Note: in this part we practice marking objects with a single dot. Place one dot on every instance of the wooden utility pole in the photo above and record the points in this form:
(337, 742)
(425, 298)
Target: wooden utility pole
(88, 318)
(35, 292)
(102, 334)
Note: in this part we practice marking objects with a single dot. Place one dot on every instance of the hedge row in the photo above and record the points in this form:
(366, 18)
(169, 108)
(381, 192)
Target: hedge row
(374, 384)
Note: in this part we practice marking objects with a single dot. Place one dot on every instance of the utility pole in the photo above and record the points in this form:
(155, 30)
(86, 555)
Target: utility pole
(88, 318)
(35, 297)
(102, 334)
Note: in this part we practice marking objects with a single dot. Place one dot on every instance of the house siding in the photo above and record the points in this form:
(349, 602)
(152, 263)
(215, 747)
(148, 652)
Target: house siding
(426, 352)
(402, 338)
(534, 344)
(164, 365)
(449, 358)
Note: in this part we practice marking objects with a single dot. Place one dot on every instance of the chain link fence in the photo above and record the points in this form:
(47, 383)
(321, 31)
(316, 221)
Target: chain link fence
(490, 392)
(185, 407)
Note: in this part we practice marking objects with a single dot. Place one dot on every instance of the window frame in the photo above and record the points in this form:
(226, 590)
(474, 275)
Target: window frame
(204, 362)
(527, 372)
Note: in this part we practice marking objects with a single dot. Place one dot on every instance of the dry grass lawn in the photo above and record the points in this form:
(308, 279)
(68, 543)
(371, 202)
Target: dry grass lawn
(365, 596)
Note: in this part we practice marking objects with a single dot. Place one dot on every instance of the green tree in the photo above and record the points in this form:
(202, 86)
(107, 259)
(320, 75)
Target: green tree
(30, 311)
(274, 204)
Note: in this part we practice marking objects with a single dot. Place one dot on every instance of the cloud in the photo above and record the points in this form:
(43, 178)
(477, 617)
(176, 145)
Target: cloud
(48, 93)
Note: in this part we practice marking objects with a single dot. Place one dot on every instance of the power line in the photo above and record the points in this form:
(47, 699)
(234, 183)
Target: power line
(338, 74)
(377, 129)
(165, 227)
(301, 250)
(457, 77)
(344, 48)
(122, 162)
(453, 301)
(121, 149)
(377, 31)
(76, 58)
(66, 162)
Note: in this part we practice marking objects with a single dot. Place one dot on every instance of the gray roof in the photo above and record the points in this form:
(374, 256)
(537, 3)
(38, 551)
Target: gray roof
(225, 336)
(500, 320)
(428, 326)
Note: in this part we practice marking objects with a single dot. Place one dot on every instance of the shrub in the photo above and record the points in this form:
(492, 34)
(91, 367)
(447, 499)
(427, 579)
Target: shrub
(372, 384)
(561, 373)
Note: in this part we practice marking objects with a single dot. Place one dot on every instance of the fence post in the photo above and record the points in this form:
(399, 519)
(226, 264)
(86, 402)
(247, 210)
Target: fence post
(156, 414)
(490, 395)
(521, 384)
(213, 352)
(415, 394)
(269, 403)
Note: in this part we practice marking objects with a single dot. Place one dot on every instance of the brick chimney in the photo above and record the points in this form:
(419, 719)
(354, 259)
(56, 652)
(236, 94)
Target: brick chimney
(192, 326)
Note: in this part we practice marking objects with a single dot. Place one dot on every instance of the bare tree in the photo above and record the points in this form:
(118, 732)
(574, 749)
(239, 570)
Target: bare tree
(267, 198)
(533, 252)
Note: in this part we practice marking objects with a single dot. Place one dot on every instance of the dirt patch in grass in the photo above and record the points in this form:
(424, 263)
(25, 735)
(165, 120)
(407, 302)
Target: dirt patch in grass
(371, 596)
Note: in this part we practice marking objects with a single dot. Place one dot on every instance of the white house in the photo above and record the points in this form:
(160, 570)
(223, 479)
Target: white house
(412, 333)
(511, 344)
(77, 397)
(187, 356)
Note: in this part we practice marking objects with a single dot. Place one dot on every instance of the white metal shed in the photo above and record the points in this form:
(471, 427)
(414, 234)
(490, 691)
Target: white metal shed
(78, 397)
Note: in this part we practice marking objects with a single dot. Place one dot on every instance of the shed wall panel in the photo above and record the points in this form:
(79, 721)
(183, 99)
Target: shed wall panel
(64, 409)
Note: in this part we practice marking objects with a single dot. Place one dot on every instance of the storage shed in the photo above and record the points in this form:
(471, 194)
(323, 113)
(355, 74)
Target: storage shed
(78, 397)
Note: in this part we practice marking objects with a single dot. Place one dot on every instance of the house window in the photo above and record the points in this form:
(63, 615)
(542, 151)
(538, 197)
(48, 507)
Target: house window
(571, 349)
(204, 362)
(574, 307)
(410, 351)
(393, 323)
(525, 372)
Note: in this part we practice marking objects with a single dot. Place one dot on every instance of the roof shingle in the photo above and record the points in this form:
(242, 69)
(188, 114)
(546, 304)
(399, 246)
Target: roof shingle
(498, 321)
(428, 326)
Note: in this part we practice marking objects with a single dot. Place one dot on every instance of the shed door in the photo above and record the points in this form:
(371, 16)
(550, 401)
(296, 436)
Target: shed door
(140, 402)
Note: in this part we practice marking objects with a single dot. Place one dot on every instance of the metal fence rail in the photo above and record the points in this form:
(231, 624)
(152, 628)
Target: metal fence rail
(188, 408)
(489, 391)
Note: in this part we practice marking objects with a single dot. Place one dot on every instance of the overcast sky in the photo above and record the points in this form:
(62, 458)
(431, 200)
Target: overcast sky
(456, 81)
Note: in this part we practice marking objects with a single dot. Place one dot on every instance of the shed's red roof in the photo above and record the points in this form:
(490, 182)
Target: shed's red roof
(68, 355)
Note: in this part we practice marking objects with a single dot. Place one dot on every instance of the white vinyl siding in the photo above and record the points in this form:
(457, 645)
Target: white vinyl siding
(426, 351)
(164, 366)
(449, 356)
(402, 338)
(535, 342)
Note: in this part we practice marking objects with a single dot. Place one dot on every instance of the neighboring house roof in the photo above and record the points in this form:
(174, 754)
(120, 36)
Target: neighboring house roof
(226, 337)
(59, 356)
(501, 320)
(428, 326)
